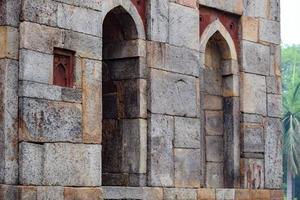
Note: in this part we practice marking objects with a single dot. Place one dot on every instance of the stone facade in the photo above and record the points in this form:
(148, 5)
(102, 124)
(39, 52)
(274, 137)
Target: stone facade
(170, 99)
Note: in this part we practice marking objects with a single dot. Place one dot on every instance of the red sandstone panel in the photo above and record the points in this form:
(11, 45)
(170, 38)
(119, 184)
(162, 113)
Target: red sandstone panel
(141, 7)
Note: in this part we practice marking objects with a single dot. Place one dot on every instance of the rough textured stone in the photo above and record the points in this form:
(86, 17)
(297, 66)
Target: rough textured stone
(50, 193)
(250, 28)
(172, 58)
(214, 148)
(181, 89)
(273, 154)
(274, 85)
(252, 137)
(85, 46)
(251, 118)
(252, 173)
(206, 194)
(182, 194)
(253, 97)
(233, 6)
(213, 102)
(184, 26)
(9, 42)
(60, 164)
(40, 11)
(214, 123)
(158, 19)
(82, 193)
(256, 8)
(30, 163)
(187, 132)
(93, 4)
(187, 168)
(241, 194)
(160, 165)
(9, 121)
(122, 193)
(40, 38)
(47, 121)
(9, 192)
(91, 101)
(189, 3)
(274, 106)
(35, 66)
(79, 19)
(153, 193)
(214, 175)
(27, 193)
(225, 194)
(256, 58)
(269, 31)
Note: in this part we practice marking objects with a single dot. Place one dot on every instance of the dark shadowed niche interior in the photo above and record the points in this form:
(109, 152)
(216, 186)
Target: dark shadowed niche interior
(123, 126)
(221, 114)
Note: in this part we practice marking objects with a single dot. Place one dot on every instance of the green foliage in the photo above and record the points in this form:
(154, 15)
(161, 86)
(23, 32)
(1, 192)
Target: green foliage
(291, 105)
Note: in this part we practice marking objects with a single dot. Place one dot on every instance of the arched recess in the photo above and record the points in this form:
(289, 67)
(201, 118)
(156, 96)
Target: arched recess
(220, 108)
(124, 124)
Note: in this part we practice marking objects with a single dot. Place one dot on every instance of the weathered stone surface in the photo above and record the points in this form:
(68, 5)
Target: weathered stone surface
(50, 193)
(206, 194)
(256, 8)
(48, 121)
(243, 194)
(82, 193)
(9, 192)
(212, 102)
(252, 138)
(40, 11)
(275, 69)
(71, 95)
(225, 194)
(261, 194)
(214, 175)
(187, 168)
(158, 20)
(251, 118)
(231, 86)
(253, 97)
(134, 143)
(172, 58)
(180, 88)
(274, 13)
(233, 6)
(152, 193)
(9, 121)
(40, 38)
(72, 165)
(277, 194)
(27, 193)
(85, 46)
(274, 85)
(274, 106)
(79, 19)
(161, 161)
(187, 132)
(10, 12)
(122, 192)
(91, 101)
(60, 164)
(269, 31)
(9, 42)
(184, 26)
(250, 28)
(93, 4)
(125, 49)
(214, 122)
(256, 58)
(214, 148)
(30, 163)
(189, 3)
(273, 154)
(182, 194)
(252, 173)
(35, 66)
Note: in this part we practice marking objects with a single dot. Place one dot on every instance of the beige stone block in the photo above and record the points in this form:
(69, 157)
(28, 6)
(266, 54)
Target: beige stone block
(249, 28)
(82, 193)
(9, 42)
(206, 194)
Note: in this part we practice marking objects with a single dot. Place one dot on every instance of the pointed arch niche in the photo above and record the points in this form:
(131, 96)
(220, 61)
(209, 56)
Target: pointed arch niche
(124, 125)
(220, 108)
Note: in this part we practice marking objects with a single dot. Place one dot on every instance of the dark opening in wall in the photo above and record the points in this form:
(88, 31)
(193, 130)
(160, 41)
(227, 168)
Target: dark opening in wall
(123, 125)
(63, 67)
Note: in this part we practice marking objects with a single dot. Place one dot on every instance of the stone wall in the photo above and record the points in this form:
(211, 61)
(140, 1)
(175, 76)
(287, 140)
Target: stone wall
(188, 102)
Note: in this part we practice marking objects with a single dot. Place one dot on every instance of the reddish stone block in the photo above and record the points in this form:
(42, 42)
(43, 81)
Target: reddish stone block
(206, 194)
(260, 195)
(243, 194)
(277, 195)
(83, 194)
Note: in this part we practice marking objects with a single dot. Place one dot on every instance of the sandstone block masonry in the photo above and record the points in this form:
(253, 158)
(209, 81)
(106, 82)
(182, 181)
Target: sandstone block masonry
(140, 99)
